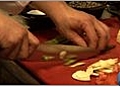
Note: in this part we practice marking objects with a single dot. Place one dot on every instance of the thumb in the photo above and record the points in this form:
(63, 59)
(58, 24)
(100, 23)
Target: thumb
(33, 43)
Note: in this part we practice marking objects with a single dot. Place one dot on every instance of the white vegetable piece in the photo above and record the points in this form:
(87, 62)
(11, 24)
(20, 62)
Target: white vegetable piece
(118, 37)
(119, 64)
(95, 74)
(35, 12)
(81, 75)
(89, 70)
(104, 64)
(107, 70)
(62, 54)
(46, 57)
(112, 61)
(77, 64)
(95, 65)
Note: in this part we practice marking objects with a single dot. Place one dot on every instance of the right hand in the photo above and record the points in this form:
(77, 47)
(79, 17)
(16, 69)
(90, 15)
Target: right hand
(16, 42)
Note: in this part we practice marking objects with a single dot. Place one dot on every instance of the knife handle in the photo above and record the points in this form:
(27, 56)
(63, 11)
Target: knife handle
(118, 78)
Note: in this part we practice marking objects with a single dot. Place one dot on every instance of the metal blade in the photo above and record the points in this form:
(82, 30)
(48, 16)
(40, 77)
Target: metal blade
(73, 51)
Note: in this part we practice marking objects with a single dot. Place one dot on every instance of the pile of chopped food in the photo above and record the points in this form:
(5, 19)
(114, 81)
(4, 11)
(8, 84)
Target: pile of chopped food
(104, 66)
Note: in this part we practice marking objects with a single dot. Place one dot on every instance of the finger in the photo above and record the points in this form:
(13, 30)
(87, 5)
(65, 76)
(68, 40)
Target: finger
(73, 36)
(23, 53)
(83, 35)
(106, 28)
(103, 38)
(33, 43)
(6, 50)
(91, 34)
(14, 53)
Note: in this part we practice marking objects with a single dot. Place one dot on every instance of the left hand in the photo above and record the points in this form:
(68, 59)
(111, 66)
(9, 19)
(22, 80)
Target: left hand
(73, 24)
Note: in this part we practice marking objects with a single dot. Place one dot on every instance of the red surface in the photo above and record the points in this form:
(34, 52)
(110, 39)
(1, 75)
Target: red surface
(55, 73)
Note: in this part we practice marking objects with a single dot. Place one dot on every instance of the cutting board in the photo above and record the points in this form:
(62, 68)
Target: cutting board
(55, 73)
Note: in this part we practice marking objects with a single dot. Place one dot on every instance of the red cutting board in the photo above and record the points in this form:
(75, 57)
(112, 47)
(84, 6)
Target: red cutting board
(55, 73)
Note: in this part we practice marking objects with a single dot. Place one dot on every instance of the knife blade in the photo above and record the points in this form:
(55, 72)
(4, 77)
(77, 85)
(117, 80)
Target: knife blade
(72, 51)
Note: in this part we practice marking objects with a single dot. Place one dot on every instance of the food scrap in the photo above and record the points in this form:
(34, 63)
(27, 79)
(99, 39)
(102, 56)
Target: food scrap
(118, 37)
(77, 64)
(47, 57)
(62, 54)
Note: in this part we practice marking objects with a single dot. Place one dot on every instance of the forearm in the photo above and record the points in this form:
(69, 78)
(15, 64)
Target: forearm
(54, 9)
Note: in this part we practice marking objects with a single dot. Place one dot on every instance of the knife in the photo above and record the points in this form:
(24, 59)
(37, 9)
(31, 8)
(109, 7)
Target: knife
(69, 51)
(118, 78)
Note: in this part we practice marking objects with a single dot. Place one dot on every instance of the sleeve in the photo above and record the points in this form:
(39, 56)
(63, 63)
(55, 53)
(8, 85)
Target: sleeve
(13, 7)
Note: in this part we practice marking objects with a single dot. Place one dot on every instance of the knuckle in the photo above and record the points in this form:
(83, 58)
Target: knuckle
(104, 36)
(12, 42)
(85, 24)
(21, 35)
(94, 40)
(24, 33)
(91, 18)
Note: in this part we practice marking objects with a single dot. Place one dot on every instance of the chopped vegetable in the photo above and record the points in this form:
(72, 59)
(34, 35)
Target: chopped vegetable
(95, 74)
(58, 40)
(107, 70)
(89, 70)
(46, 57)
(102, 66)
(118, 64)
(81, 75)
(77, 64)
(69, 61)
(118, 37)
(62, 54)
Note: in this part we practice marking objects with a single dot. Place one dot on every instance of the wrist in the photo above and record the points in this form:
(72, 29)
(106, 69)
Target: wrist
(60, 15)
(55, 10)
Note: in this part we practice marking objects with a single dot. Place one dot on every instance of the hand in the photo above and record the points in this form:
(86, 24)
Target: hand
(16, 42)
(83, 29)
(77, 26)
